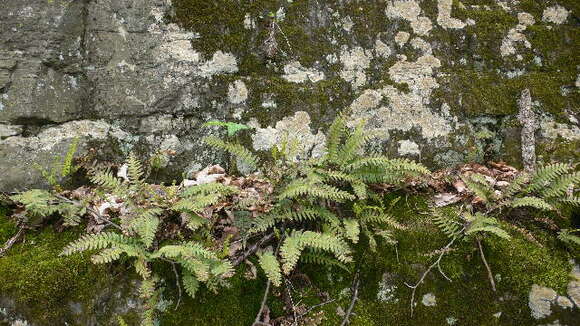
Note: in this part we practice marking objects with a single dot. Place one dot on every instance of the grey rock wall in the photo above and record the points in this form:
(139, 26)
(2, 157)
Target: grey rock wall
(437, 80)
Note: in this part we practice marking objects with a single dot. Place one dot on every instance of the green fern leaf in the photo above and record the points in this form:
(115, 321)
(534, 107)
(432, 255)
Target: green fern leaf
(190, 283)
(533, 202)
(237, 150)
(270, 265)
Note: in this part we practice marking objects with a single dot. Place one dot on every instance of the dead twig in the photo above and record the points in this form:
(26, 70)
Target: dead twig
(489, 273)
(177, 283)
(437, 263)
(264, 299)
(355, 287)
(252, 249)
(314, 307)
(12, 241)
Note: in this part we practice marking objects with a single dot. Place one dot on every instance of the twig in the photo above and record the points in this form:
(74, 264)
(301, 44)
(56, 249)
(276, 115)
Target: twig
(264, 299)
(177, 283)
(92, 210)
(355, 287)
(252, 249)
(489, 273)
(436, 263)
(12, 241)
(314, 307)
(291, 300)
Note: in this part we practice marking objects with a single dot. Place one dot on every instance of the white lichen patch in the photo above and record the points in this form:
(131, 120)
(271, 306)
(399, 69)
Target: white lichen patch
(551, 129)
(407, 147)
(387, 290)
(444, 18)
(421, 45)
(220, 63)
(294, 72)
(381, 49)
(429, 300)
(347, 23)
(555, 14)
(540, 301)
(526, 19)
(291, 134)
(249, 22)
(237, 92)
(417, 75)
(355, 61)
(403, 112)
(515, 35)
(410, 10)
(401, 38)
(53, 136)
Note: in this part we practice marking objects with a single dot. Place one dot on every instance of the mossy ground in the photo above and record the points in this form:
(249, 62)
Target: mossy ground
(42, 281)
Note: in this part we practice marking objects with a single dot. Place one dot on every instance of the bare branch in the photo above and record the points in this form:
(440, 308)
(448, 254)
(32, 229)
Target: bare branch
(489, 273)
(355, 287)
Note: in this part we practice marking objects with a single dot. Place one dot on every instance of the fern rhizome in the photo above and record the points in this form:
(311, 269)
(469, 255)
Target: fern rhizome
(328, 210)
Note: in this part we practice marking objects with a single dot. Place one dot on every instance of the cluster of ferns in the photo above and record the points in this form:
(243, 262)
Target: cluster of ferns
(322, 211)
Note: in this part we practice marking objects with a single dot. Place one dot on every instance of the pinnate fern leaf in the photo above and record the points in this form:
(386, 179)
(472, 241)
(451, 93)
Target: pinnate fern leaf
(271, 267)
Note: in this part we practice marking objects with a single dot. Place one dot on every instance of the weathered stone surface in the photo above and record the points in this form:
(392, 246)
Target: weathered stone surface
(443, 75)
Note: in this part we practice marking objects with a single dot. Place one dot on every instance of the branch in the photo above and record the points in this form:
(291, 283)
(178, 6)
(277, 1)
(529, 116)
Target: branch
(489, 273)
(252, 249)
(264, 299)
(12, 241)
(355, 287)
(177, 283)
(436, 263)
(314, 307)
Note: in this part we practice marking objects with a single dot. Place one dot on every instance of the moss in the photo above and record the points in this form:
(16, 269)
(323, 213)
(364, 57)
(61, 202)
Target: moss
(491, 93)
(235, 305)
(41, 282)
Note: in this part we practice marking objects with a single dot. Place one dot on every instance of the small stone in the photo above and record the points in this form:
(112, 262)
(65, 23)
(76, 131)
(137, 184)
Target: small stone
(564, 302)
(429, 300)
(497, 314)
(540, 300)
(574, 292)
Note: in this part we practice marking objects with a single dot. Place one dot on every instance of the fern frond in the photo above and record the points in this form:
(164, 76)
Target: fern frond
(135, 170)
(237, 150)
(190, 283)
(543, 176)
(516, 185)
(96, 241)
(232, 127)
(302, 187)
(196, 204)
(142, 268)
(271, 267)
(146, 227)
(320, 258)
(336, 133)
(480, 223)
(560, 187)
(571, 201)
(353, 144)
(106, 179)
(533, 202)
(68, 166)
(352, 229)
(568, 237)
(37, 201)
(477, 184)
(107, 255)
(298, 240)
(449, 222)
(208, 189)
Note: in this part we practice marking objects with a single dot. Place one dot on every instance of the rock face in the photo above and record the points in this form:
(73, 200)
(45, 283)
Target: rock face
(143, 75)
